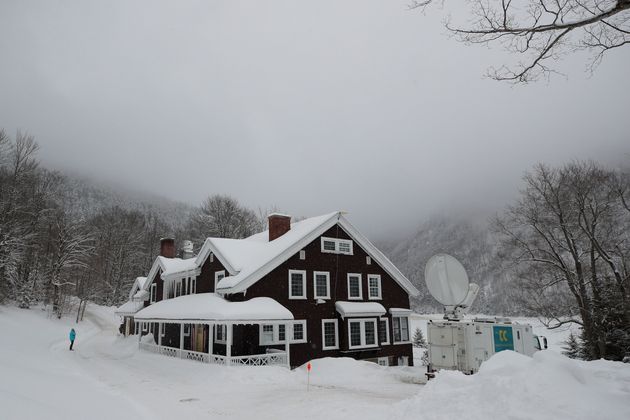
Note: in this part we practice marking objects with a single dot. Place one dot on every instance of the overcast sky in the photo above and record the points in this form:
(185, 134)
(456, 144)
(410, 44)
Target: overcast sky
(312, 106)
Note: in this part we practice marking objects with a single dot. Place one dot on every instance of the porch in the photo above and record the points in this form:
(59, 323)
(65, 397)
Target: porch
(203, 328)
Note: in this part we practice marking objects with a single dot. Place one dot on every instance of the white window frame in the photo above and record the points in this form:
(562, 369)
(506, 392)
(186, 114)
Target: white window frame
(386, 320)
(321, 273)
(223, 338)
(360, 297)
(330, 321)
(303, 273)
(337, 243)
(217, 274)
(276, 334)
(304, 334)
(380, 290)
(153, 293)
(399, 326)
(362, 322)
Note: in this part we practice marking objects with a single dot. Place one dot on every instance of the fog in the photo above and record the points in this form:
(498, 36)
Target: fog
(361, 106)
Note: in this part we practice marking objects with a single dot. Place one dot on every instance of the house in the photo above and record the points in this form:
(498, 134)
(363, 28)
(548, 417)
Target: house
(315, 288)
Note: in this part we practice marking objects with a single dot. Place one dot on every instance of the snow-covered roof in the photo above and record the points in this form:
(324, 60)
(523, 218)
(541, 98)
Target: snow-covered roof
(399, 311)
(248, 260)
(212, 307)
(141, 295)
(350, 309)
(129, 308)
(138, 284)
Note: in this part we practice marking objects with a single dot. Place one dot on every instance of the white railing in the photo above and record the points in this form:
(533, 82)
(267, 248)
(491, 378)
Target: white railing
(269, 359)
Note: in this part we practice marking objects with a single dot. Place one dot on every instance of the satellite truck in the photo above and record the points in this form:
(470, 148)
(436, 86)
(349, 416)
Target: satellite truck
(456, 343)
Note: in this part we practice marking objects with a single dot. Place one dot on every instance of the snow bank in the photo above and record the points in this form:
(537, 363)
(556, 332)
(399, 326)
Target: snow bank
(513, 386)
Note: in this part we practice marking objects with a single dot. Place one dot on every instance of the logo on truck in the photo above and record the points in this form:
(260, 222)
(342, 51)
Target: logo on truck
(503, 339)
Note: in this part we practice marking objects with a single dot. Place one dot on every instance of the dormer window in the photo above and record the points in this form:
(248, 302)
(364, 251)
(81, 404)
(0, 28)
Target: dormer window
(336, 246)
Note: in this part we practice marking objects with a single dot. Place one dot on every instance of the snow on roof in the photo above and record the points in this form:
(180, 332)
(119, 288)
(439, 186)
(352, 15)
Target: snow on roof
(176, 265)
(129, 308)
(349, 309)
(210, 307)
(399, 311)
(246, 256)
(141, 295)
(141, 281)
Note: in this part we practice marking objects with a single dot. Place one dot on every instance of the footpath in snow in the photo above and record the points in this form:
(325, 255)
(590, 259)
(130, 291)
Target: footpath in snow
(108, 377)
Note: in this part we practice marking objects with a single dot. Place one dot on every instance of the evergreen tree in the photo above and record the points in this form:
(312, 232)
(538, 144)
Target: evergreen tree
(572, 347)
(418, 339)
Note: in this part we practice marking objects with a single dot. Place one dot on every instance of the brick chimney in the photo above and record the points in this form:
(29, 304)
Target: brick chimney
(167, 247)
(279, 224)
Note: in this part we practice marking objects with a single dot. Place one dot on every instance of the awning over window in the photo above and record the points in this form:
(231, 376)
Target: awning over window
(129, 308)
(400, 311)
(354, 309)
(212, 307)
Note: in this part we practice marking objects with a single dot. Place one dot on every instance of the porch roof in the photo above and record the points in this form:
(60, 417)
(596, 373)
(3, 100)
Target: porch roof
(351, 309)
(129, 308)
(212, 307)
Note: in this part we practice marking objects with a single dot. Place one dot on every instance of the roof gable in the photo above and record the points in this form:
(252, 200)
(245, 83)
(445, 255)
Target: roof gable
(282, 250)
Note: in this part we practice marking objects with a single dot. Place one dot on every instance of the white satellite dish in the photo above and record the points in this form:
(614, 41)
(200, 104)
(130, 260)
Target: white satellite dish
(446, 279)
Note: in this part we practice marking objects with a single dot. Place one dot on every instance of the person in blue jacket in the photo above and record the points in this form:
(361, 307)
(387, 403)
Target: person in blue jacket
(73, 335)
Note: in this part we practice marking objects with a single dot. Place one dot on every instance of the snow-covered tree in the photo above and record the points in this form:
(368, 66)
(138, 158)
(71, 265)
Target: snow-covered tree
(571, 347)
(418, 339)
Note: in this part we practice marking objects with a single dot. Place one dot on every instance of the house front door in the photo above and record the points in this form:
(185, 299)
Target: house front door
(199, 338)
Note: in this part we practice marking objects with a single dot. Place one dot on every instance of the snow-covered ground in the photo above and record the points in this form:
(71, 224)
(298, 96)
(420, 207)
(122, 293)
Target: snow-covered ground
(107, 377)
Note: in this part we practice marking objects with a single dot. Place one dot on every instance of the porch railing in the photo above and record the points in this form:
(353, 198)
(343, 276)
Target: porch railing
(268, 359)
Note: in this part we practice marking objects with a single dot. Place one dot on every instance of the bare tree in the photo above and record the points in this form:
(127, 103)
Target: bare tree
(224, 217)
(542, 30)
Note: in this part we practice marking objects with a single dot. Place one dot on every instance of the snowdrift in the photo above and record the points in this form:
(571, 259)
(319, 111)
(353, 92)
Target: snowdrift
(513, 386)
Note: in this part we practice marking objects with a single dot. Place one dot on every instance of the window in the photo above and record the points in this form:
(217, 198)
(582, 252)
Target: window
(153, 293)
(383, 331)
(297, 284)
(354, 287)
(374, 286)
(211, 257)
(337, 246)
(193, 285)
(321, 284)
(299, 332)
(368, 260)
(401, 329)
(330, 334)
(383, 361)
(220, 333)
(271, 334)
(217, 278)
(302, 255)
(362, 333)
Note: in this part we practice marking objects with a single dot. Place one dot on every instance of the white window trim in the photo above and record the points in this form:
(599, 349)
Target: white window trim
(408, 331)
(321, 273)
(360, 297)
(380, 290)
(337, 249)
(153, 293)
(304, 333)
(303, 273)
(223, 339)
(216, 278)
(276, 334)
(362, 322)
(328, 321)
(386, 320)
